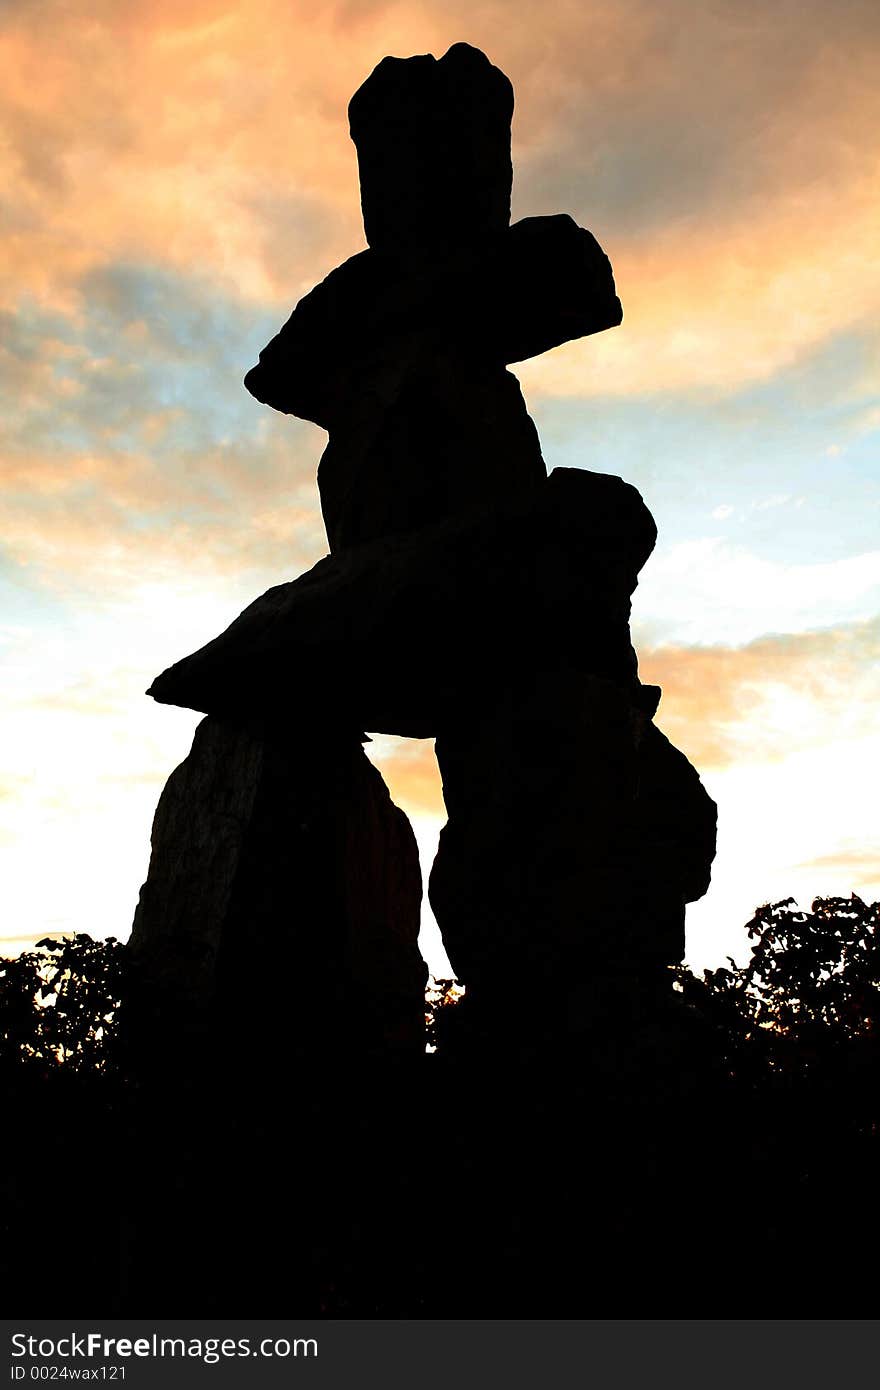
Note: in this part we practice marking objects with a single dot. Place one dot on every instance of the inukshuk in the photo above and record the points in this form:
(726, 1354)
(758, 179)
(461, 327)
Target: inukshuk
(467, 596)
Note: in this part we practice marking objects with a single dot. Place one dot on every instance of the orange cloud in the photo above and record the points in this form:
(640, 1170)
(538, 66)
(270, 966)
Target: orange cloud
(111, 523)
(759, 703)
(725, 157)
(860, 867)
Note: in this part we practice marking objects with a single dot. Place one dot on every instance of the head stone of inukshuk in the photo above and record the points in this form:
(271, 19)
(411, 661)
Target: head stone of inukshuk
(401, 352)
(467, 595)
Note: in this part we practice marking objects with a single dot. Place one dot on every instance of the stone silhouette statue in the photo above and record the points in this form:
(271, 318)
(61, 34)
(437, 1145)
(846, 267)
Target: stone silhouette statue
(468, 597)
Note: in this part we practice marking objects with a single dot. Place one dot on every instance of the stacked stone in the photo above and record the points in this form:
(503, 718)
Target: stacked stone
(467, 596)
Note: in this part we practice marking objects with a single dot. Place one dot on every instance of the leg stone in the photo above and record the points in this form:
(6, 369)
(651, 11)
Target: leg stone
(576, 835)
(281, 908)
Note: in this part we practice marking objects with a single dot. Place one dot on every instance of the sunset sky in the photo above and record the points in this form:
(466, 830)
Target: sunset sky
(177, 173)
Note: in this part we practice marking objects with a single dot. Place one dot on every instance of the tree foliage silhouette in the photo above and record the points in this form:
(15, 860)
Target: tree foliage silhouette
(787, 1107)
(809, 993)
(808, 998)
(60, 1004)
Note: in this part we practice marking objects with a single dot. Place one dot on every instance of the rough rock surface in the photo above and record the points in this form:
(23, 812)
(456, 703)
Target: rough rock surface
(532, 287)
(282, 904)
(433, 143)
(576, 835)
(404, 637)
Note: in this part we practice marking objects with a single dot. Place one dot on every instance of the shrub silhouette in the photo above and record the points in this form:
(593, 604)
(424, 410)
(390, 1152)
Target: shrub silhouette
(60, 1004)
(807, 1001)
(536, 1161)
(809, 993)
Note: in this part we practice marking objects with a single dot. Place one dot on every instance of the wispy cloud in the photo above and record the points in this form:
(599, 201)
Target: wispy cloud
(859, 865)
(770, 698)
(710, 590)
(720, 153)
